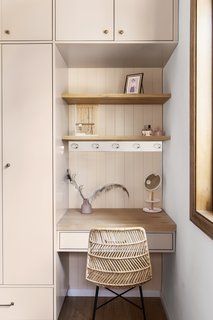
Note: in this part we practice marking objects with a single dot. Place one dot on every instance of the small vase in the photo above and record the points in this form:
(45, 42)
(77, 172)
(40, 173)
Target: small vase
(86, 206)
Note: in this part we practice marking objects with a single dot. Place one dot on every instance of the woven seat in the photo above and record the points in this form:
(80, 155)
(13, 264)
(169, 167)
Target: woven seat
(118, 257)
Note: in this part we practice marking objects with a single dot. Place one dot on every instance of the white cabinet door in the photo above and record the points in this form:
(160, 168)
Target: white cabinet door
(143, 20)
(26, 19)
(84, 20)
(27, 164)
(29, 303)
(1, 260)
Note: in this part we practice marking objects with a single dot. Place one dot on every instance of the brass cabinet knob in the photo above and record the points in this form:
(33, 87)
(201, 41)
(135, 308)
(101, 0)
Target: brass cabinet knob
(121, 32)
(106, 31)
(7, 31)
(7, 165)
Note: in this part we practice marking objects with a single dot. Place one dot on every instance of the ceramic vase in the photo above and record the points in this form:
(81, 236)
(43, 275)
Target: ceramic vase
(86, 207)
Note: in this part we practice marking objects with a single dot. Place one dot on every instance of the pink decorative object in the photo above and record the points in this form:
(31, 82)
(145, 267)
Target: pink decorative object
(86, 206)
(159, 132)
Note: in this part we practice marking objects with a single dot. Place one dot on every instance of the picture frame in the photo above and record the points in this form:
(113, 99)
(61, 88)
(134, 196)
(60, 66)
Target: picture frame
(134, 83)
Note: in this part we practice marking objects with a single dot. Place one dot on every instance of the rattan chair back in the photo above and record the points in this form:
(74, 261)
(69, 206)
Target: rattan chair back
(118, 257)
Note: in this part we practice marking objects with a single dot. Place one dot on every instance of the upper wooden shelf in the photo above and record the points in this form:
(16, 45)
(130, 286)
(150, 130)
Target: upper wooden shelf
(121, 98)
(115, 138)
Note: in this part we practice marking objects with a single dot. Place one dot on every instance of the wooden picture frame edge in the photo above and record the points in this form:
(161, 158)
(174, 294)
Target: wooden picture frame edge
(141, 74)
(197, 218)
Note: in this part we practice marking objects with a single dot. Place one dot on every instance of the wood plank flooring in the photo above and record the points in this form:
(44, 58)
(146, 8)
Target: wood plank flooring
(80, 308)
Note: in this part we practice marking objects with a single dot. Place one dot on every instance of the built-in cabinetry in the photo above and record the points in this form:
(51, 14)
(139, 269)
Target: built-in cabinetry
(84, 20)
(26, 303)
(26, 20)
(101, 34)
(144, 20)
(118, 142)
(119, 20)
(27, 182)
(73, 228)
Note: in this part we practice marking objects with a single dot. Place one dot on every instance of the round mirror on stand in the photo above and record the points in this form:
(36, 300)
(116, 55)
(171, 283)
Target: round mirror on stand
(152, 183)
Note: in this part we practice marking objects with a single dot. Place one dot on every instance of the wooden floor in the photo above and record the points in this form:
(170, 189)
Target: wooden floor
(80, 308)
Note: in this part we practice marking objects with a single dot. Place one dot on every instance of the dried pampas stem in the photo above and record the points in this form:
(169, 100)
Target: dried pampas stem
(97, 193)
(106, 188)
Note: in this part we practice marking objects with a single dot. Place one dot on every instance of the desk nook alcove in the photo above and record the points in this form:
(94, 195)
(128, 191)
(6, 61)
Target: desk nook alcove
(115, 152)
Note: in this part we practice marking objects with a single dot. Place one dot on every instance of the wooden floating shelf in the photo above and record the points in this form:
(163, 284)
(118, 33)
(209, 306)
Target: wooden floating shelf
(115, 138)
(147, 99)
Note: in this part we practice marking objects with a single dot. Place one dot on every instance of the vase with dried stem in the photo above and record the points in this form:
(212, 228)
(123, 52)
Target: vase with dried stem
(86, 206)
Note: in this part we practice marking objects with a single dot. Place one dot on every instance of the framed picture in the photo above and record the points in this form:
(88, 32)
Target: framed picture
(134, 83)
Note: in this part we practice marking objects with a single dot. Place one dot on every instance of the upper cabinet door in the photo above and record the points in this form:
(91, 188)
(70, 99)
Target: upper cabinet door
(26, 20)
(84, 20)
(144, 20)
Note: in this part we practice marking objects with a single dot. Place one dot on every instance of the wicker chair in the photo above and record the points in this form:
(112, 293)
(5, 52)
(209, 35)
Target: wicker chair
(118, 258)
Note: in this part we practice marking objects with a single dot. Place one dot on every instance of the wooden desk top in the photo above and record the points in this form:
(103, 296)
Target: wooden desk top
(73, 220)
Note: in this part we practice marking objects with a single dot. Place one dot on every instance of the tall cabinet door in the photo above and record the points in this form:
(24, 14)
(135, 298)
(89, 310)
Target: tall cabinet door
(144, 20)
(26, 20)
(84, 20)
(27, 164)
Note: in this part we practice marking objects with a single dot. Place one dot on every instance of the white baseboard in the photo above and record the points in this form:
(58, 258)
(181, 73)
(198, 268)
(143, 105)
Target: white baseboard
(106, 293)
(168, 315)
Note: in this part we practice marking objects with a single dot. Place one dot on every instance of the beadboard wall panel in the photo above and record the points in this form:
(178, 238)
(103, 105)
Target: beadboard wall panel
(77, 261)
(95, 169)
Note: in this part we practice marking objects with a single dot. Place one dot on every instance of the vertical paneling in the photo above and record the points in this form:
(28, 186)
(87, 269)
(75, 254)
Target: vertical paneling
(61, 164)
(96, 169)
(79, 285)
(61, 126)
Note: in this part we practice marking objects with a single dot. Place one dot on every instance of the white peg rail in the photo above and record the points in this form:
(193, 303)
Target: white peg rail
(116, 146)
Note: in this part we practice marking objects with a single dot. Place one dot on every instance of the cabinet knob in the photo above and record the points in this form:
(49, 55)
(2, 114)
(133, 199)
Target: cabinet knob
(121, 32)
(105, 31)
(7, 165)
(7, 31)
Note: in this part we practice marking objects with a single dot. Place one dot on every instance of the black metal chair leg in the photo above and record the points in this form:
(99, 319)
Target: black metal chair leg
(95, 303)
(142, 302)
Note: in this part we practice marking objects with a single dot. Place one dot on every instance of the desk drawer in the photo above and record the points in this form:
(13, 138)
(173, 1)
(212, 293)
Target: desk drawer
(161, 242)
(78, 241)
(73, 241)
(29, 303)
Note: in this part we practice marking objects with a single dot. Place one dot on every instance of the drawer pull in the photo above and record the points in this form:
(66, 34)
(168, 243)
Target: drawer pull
(7, 305)
(7, 31)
